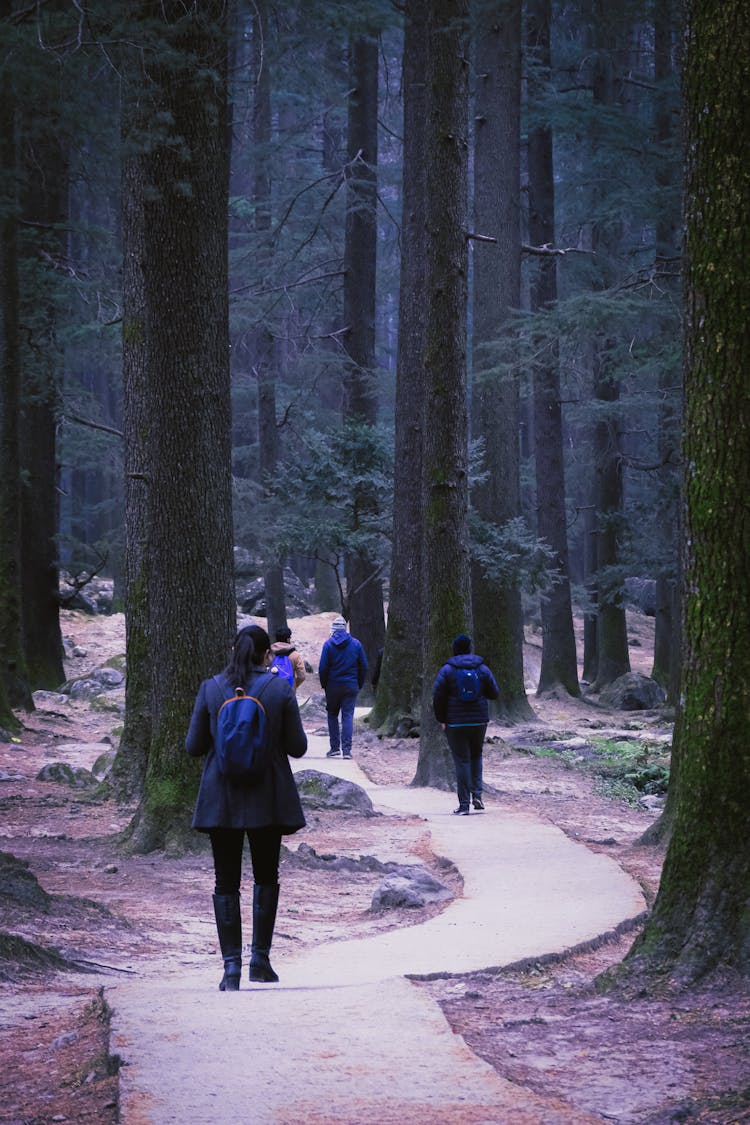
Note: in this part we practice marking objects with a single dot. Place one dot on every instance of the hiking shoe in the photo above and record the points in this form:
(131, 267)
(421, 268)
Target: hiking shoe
(478, 804)
(461, 811)
(333, 754)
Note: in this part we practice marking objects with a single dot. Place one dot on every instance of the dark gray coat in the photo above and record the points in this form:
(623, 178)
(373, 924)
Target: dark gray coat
(271, 802)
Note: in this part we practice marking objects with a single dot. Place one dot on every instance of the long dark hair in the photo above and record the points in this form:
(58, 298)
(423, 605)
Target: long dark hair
(250, 647)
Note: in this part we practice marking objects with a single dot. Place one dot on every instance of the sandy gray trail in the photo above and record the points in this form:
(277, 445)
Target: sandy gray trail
(344, 1037)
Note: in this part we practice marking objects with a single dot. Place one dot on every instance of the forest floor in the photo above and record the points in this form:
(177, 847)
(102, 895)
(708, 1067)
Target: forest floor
(81, 912)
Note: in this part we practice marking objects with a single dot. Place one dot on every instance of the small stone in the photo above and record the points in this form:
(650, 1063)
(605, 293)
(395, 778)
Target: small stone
(111, 869)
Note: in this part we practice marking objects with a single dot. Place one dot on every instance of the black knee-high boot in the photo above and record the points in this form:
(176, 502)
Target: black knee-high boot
(265, 902)
(229, 929)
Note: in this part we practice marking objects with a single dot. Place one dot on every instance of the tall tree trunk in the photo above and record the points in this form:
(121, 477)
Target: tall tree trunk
(447, 582)
(498, 615)
(129, 768)
(185, 390)
(360, 250)
(667, 646)
(46, 211)
(400, 686)
(265, 355)
(700, 921)
(612, 639)
(14, 685)
(559, 665)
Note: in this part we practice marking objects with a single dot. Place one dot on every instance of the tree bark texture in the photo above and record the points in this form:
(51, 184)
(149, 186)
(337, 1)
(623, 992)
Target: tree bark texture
(498, 615)
(46, 191)
(14, 686)
(365, 590)
(559, 663)
(400, 687)
(129, 768)
(667, 646)
(185, 393)
(701, 918)
(265, 358)
(447, 586)
(613, 659)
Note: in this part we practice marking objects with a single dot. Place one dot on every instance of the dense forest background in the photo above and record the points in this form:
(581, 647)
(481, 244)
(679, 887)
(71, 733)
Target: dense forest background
(571, 144)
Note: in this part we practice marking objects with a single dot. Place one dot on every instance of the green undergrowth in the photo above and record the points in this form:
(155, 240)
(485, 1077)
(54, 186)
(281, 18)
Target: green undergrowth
(625, 769)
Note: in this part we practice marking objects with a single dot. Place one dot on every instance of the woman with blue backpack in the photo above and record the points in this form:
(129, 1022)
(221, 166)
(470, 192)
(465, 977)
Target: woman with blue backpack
(247, 724)
(459, 699)
(286, 660)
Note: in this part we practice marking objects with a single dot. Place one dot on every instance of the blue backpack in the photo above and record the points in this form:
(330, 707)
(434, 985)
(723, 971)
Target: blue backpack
(467, 684)
(284, 667)
(241, 743)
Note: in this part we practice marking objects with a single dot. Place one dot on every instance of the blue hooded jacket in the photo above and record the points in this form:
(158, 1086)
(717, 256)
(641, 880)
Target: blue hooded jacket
(455, 712)
(342, 661)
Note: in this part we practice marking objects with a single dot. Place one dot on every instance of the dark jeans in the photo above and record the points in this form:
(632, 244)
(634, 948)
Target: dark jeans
(227, 845)
(466, 747)
(341, 697)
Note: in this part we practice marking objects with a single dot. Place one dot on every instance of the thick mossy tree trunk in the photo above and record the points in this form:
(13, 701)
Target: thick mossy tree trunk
(184, 387)
(498, 615)
(701, 918)
(447, 585)
(360, 257)
(398, 701)
(559, 664)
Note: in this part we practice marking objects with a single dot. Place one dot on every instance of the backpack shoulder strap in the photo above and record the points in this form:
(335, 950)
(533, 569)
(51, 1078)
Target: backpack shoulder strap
(263, 686)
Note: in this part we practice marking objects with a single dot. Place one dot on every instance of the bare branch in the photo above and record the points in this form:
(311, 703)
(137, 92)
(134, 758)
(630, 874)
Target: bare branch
(547, 251)
(92, 425)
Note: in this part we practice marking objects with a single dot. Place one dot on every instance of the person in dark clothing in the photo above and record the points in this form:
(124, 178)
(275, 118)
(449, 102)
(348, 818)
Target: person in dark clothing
(342, 671)
(264, 811)
(459, 699)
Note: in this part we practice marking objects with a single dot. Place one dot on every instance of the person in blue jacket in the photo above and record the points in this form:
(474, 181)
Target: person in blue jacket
(342, 671)
(459, 699)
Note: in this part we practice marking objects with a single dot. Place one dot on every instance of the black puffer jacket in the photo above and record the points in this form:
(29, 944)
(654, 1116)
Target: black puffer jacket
(455, 712)
(271, 802)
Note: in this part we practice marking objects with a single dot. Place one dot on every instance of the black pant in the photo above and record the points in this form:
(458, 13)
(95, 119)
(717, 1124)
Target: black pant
(227, 845)
(466, 747)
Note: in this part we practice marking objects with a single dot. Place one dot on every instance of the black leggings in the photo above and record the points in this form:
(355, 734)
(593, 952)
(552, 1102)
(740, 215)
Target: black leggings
(227, 845)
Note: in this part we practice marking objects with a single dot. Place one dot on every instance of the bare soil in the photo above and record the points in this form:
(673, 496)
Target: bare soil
(84, 908)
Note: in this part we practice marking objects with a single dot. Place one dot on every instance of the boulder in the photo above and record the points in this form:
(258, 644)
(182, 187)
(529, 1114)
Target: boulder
(101, 679)
(48, 700)
(412, 890)
(633, 692)
(251, 596)
(74, 776)
(324, 791)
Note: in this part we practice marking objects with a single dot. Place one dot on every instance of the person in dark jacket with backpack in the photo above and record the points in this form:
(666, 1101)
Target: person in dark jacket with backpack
(342, 671)
(459, 699)
(264, 810)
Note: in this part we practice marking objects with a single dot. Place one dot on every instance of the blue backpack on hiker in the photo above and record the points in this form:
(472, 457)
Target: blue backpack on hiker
(467, 684)
(284, 667)
(241, 742)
